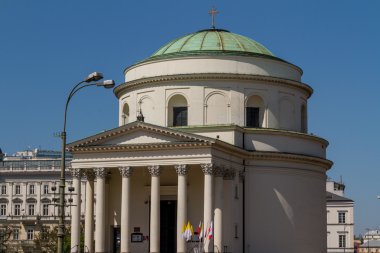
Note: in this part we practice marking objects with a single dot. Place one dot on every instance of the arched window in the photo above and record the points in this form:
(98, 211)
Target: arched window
(177, 111)
(303, 119)
(254, 112)
(125, 115)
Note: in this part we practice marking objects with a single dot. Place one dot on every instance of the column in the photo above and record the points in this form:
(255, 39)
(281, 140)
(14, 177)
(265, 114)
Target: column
(218, 211)
(125, 228)
(10, 202)
(89, 218)
(100, 235)
(154, 209)
(24, 206)
(229, 214)
(38, 209)
(182, 171)
(208, 171)
(75, 211)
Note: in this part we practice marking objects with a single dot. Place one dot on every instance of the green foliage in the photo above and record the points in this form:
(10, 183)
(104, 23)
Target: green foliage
(47, 239)
(5, 234)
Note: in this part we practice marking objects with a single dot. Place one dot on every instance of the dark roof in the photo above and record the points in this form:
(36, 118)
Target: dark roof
(331, 197)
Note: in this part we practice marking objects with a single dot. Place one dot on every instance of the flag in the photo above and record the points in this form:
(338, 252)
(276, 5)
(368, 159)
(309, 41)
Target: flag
(188, 232)
(200, 230)
(209, 232)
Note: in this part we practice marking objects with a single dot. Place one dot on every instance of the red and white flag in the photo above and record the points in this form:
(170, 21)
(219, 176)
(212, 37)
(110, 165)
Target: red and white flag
(200, 230)
(209, 231)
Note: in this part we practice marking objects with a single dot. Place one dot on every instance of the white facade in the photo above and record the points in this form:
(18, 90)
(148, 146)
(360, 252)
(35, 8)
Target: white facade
(340, 219)
(224, 141)
(27, 199)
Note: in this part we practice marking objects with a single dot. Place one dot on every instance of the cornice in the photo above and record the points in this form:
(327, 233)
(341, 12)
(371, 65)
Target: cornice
(93, 140)
(229, 127)
(139, 147)
(119, 90)
(217, 145)
(260, 155)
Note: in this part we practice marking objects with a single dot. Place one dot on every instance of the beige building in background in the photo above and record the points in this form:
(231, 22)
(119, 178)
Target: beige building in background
(27, 199)
(212, 128)
(340, 219)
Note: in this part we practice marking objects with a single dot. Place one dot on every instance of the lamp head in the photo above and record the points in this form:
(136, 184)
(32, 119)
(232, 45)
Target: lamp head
(108, 84)
(93, 77)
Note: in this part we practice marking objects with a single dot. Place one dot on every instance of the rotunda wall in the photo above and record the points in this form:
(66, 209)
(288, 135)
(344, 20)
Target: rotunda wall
(214, 102)
(288, 203)
(214, 64)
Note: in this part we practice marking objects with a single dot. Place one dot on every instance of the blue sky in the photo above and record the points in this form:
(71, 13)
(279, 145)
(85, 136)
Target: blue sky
(48, 46)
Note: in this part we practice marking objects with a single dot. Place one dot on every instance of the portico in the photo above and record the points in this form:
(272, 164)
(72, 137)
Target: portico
(132, 182)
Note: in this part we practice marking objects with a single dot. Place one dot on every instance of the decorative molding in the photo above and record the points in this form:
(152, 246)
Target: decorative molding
(126, 171)
(241, 175)
(181, 169)
(208, 168)
(89, 174)
(229, 174)
(76, 173)
(154, 170)
(141, 147)
(181, 136)
(121, 89)
(219, 170)
(101, 173)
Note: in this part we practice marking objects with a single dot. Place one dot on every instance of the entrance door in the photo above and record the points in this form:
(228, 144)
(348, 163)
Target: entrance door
(168, 226)
(116, 240)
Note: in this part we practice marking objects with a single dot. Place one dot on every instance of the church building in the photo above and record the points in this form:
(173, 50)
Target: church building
(212, 130)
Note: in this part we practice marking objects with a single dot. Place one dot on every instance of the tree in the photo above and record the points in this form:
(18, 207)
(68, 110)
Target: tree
(46, 240)
(5, 234)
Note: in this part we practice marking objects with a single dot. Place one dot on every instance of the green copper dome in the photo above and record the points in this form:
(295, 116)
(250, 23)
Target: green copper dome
(212, 41)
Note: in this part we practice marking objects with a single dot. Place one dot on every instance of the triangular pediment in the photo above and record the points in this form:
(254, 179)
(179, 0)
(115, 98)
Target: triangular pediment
(139, 136)
(137, 133)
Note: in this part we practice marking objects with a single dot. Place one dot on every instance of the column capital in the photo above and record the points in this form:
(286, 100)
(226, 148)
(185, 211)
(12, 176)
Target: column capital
(208, 168)
(126, 171)
(154, 170)
(219, 170)
(241, 175)
(101, 172)
(229, 174)
(76, 173)
(181, 169)
(89, 174)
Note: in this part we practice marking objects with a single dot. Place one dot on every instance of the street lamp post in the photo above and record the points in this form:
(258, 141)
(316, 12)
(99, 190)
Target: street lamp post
(93, 77)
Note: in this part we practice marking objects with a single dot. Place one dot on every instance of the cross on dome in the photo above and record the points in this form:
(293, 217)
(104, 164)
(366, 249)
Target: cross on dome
(213, 12)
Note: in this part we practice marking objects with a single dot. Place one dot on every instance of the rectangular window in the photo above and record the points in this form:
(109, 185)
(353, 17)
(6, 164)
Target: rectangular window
(180, 116)
(17, 209)
(18, 190)
(31, 209)
(342, 241)
(3, 209)
(31, 189)
(252, 116)
(45, 209)
(30, 234)
(46, 189)
(341, 217)
(3, 189)
(16, 234)
(2, 235)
